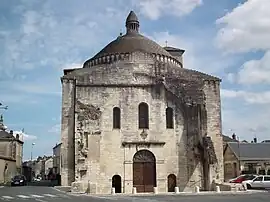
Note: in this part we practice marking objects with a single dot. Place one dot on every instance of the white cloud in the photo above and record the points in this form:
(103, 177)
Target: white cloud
(56, 129)
(255, 71)
(248, 97)
(246, 28)
(199, 54)
(154, 9)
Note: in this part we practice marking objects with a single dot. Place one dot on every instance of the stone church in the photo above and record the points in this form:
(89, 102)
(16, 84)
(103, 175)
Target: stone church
(134, 117)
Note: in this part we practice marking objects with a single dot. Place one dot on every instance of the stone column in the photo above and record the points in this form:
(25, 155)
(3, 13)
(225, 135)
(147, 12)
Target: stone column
(213, 114)
(68, 131)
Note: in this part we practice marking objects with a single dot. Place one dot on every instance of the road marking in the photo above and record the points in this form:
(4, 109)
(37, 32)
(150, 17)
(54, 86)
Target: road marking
(23, 196)
(63, 195)
(50, 195)
(40, 200)
(37, 196)
(7, 197)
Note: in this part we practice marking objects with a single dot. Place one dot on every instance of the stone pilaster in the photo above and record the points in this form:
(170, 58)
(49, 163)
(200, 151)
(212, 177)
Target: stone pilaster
(214, 128)
(67, 131)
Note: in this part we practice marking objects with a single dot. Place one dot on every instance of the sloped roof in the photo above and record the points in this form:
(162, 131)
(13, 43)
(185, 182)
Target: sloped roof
(228, 139)
(4, 134)
(250, 151)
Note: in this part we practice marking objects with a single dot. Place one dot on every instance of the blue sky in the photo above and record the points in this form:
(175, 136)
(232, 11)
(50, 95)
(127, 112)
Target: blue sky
(38, 39)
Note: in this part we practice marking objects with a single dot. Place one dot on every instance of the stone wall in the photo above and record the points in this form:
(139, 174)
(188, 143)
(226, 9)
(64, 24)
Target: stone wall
(98, 151)
(11, 171)
(106, 155)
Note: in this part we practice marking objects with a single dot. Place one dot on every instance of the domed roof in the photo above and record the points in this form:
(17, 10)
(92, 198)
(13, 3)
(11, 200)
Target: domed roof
(132, 41)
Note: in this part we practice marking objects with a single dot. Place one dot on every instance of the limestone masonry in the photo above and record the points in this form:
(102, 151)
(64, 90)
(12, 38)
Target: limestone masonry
(133, 116)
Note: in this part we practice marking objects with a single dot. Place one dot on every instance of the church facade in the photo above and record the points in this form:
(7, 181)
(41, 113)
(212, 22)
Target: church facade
(133, 116)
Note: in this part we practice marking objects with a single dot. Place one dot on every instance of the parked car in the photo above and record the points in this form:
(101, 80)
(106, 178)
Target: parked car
(262, 181)
(242, 178)
(19, 180)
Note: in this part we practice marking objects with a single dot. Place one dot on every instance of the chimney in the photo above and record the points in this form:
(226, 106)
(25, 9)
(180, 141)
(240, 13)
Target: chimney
(11, 132)
(255, 140)
(233, 136)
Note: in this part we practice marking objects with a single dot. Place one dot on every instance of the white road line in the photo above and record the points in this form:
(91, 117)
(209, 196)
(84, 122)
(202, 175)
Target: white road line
(50, 195)
(7, 197)
(63, 195)
(40, 200)
(37, 196)
(23, 196)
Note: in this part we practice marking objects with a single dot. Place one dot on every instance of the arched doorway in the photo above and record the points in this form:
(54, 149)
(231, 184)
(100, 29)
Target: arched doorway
(144, 171)
(116, 183)
(171, 182)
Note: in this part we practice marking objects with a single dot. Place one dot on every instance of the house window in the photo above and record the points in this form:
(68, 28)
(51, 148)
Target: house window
(143, 115)
(169, 117)
(116, 117)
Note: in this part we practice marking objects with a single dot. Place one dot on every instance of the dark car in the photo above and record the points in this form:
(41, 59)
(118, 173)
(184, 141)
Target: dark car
(18, 180)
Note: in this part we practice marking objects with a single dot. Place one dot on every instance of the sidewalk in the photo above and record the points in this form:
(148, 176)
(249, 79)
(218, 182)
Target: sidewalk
(174, 194)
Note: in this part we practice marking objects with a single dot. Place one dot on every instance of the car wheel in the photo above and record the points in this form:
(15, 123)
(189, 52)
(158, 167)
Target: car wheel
(248, 186)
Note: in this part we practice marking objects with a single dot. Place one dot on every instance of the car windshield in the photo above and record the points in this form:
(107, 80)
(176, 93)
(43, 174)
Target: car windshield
(249, 177)
(18, 177)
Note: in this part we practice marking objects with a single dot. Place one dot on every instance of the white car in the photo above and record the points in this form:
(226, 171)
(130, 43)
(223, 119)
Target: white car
(262, 181)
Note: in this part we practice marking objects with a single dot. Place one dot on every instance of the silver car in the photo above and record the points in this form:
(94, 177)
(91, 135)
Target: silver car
(261, 181)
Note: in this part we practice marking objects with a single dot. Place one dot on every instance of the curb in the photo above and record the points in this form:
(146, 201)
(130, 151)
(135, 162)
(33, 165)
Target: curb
(174, 194)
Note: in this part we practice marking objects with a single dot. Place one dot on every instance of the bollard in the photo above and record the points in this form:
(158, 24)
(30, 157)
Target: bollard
(217, 189)
(155, 190)
(113, 191)
(134, 190)
(197, 189)
(176, 190)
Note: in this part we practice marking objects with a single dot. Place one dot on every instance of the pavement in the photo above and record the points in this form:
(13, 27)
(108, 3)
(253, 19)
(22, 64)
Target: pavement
(50, 194)
(34, 194)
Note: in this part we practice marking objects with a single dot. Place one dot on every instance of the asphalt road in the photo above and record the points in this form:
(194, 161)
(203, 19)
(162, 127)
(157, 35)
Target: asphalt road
(49, 194)
(34, 194)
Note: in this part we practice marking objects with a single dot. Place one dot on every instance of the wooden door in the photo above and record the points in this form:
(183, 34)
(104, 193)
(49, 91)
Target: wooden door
(138, 176)
(144, 172)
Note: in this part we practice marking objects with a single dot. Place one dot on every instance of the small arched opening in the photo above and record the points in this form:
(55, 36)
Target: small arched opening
(143, 116)
(116, 118)
(116, 183)
(171, 182)
(169, 117)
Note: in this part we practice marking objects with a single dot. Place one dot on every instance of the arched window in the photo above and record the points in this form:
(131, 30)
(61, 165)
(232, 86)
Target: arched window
(143, 115)
(169, 117)
(116, 117)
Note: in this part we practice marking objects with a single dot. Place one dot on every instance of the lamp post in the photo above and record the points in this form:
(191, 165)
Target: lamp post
(32, 151)
(31, 160)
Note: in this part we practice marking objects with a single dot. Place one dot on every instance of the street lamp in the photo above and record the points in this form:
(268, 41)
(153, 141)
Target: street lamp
(31, 160)
(32, 150)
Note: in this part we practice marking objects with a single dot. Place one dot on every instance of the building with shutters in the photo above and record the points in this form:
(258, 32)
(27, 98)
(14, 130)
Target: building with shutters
(134, 117)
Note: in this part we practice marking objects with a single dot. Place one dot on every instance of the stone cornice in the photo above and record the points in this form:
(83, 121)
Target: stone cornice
(111, 58)
(7, 158)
